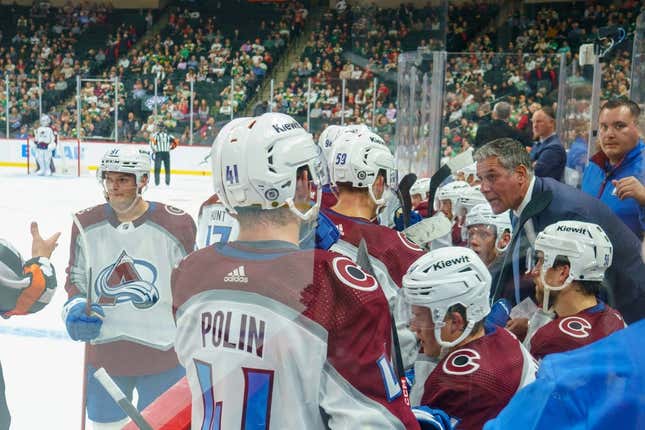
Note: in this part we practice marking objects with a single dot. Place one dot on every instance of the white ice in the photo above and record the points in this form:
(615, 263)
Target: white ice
(42, 366)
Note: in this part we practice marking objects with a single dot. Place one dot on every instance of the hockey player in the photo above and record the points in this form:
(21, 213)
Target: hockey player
(476, 373)
(571, 259)
(119, 269)
(273, 335)
(445, 201)
(44, 145)
(488, 234)
(25, 288)
(361, 170)
(214, 223)
(419, 196)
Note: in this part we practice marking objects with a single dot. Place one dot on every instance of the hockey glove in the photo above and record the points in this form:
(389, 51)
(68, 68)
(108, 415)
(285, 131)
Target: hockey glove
(326, 232)
(432, 419)
(499, 315)
(81, 326)
(398, 219)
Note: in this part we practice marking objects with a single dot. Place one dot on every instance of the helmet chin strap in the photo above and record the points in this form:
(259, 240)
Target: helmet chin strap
(444, 344)
(129, 208)
(548, 287)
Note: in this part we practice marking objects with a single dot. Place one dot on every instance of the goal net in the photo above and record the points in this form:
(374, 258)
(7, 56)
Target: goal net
(68, 158)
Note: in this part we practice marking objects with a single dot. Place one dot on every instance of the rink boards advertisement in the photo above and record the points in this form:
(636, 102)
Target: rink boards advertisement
(185, 160)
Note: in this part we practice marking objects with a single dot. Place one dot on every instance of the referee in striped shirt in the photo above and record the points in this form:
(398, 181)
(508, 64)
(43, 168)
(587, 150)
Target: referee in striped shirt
(162, 143)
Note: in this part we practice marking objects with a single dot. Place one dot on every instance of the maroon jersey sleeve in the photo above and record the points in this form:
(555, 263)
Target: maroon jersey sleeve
(177, 222)
(475, 382)
(567, 333)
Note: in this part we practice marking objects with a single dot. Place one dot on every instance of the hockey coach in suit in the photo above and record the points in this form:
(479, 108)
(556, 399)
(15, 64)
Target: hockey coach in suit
(508, 182)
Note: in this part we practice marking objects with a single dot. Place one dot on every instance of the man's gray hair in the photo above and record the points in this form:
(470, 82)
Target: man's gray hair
(509, 152)
(502, 111)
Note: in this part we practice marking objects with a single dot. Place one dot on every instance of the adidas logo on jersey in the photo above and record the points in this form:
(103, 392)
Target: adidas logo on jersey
(237, 275)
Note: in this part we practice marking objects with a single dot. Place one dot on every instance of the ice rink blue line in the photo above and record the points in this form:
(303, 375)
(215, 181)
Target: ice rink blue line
(34, 332)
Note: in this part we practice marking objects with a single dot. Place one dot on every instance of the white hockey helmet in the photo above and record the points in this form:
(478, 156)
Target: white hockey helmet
(451, 191)
(45, 120)
(446, 277)
(257, 164)
(421, 186)
(125, 160)
(469, 198)
(584, 244)
(325, 143)
(357, 159)
(228, 127)
(468, 170)
(482, 214)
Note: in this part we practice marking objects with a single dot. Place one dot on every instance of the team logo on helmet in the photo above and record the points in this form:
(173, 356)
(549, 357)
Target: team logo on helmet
(575, 326)
(462, 362)
(127, 280)
(352, 275)
(271, 194)
(361, 175)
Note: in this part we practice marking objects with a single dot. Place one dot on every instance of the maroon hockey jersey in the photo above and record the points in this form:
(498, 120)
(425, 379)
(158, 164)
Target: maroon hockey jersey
(388, 246)
(296, 303)
(475, 382)
(567, 333)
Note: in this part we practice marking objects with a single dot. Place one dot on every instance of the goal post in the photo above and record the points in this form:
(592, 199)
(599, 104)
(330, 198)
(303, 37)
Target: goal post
(68, 157)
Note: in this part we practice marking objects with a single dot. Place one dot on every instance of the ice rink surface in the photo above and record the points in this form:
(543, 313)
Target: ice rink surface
(41, 365)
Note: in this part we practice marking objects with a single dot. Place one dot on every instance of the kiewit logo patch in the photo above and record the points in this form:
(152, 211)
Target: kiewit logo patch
(451, 262)
(280, 128)
(580, 230)
(237, 275)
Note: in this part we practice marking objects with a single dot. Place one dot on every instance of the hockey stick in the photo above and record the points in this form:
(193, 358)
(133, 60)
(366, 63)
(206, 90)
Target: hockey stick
(88, 310)
(427, 230)
(363, 260)
(117, 395)
(459, 162)
(403, 193)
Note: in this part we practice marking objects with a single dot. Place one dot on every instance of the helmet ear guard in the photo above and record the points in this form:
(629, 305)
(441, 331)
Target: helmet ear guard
(446, 277)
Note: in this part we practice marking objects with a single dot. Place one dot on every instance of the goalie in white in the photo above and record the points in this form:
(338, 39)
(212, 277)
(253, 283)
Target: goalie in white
(44, 144)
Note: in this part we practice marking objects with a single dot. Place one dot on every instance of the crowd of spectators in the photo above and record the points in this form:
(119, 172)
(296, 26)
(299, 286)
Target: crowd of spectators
(55, 45)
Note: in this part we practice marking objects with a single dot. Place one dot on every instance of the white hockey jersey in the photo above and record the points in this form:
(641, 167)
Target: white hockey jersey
(131, 267)
(215, 224)
(45, 136)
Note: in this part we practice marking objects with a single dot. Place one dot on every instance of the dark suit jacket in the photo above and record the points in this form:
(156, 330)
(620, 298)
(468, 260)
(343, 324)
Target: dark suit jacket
(550, 158)
(553, 201)
(496, 129)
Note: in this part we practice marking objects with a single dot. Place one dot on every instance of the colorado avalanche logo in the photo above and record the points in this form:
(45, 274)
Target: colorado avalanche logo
(122, 282)
(462, 362)
(575, 326)
(353, 276)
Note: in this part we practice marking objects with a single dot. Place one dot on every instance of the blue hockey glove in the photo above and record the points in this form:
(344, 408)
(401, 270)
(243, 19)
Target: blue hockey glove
(398, 219)
(326, 232)
(499, 315)
(432, 419)
(410, 377)
(81, 326)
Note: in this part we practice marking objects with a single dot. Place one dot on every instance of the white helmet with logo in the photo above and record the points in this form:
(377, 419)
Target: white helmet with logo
(421, 186)
(228, 127)
(584, 244)
(446, 277)
(45, 120)
(357, 159)
(451, 191)
(469, 198)
(482, 214)
(125, 160)
(257, 164)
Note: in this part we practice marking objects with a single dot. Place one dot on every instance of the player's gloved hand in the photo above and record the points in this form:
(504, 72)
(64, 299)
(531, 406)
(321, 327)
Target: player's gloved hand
(81, 326)
(398, 219)
(432, 419)
(326, 232)
(410, 377)
(499, 315)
